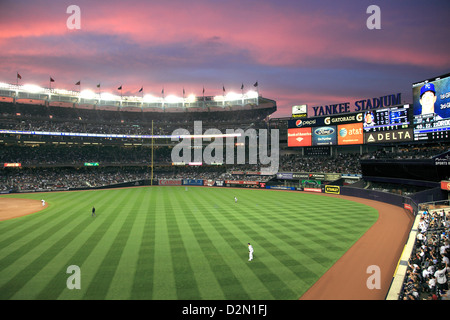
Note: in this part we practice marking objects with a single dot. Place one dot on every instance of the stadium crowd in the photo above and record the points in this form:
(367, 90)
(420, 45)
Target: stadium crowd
(416, 151)
(428, 273)
(63, 164)
(341, 163)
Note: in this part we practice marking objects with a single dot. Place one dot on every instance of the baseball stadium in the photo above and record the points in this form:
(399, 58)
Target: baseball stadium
(107, 197)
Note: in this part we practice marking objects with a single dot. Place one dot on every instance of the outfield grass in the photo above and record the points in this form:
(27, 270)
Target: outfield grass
(167, 243)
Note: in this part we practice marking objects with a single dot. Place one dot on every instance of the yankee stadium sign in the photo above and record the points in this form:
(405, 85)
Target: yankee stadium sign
(360, 105)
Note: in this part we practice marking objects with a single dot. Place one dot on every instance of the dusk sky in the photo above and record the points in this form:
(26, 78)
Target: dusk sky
(300, 52)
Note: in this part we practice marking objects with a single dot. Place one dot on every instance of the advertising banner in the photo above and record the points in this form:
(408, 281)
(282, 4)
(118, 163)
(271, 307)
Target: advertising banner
(193, 182)
(332, 176)
(9, 165)
(445, 185)
(408, 207)
(319, 190)
(170, 182)
(208, 183)
(389, 136)
(241, 182)
(332, 189)
(350, 134)
(324, 136)
(442, 160)
(283, 175)
(300, 176)
(219, 183)
(280, 188)
(300, 137)
(300, 111)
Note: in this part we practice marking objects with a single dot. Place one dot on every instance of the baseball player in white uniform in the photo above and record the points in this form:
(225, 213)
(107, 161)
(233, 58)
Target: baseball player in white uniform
(43, 202)
(250, 252)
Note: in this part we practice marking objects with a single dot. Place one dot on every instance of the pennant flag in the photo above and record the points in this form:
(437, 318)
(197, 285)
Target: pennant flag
(119, 88)
(51, 79)
(223, 88)
(19, 76)
(256, 84)
(142, 88)
(162, 91)
(78, 83)
(203, 90)
(242, 87)
(98, 86)
(183, 92)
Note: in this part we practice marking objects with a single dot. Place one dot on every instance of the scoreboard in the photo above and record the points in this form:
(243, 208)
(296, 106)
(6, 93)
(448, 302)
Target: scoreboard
(428, 127)
(431, 116)
(426, 120)
(387, 119)
(385, 125)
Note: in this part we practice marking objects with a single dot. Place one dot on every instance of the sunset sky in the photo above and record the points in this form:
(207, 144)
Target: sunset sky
(300, 52)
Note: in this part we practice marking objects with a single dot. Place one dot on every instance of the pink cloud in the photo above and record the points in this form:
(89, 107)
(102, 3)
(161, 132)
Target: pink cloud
(271, 35)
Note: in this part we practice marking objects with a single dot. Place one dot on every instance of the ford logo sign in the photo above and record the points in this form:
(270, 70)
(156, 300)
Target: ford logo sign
(324, 131)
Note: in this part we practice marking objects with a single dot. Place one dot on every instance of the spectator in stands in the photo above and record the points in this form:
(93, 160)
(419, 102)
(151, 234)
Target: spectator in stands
(441, 278)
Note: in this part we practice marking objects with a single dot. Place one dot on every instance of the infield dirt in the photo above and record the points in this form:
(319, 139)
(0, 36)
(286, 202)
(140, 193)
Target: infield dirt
(13, 207)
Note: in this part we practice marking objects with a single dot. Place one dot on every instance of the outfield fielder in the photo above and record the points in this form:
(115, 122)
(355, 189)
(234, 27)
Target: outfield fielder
(250, 252)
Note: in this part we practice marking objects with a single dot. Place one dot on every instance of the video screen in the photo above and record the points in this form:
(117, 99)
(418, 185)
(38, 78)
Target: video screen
(392, 118)
(431, 109)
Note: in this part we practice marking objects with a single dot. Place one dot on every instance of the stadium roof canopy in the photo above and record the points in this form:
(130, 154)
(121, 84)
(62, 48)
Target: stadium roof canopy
(89, 99)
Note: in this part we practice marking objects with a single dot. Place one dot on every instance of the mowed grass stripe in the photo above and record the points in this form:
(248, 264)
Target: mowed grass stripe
(123, 253)
(206, 280)
(163, 272)
(101, 264)
(143, 277)
(221, 258)
(122, 282)
(185, 282)
(82, 249)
